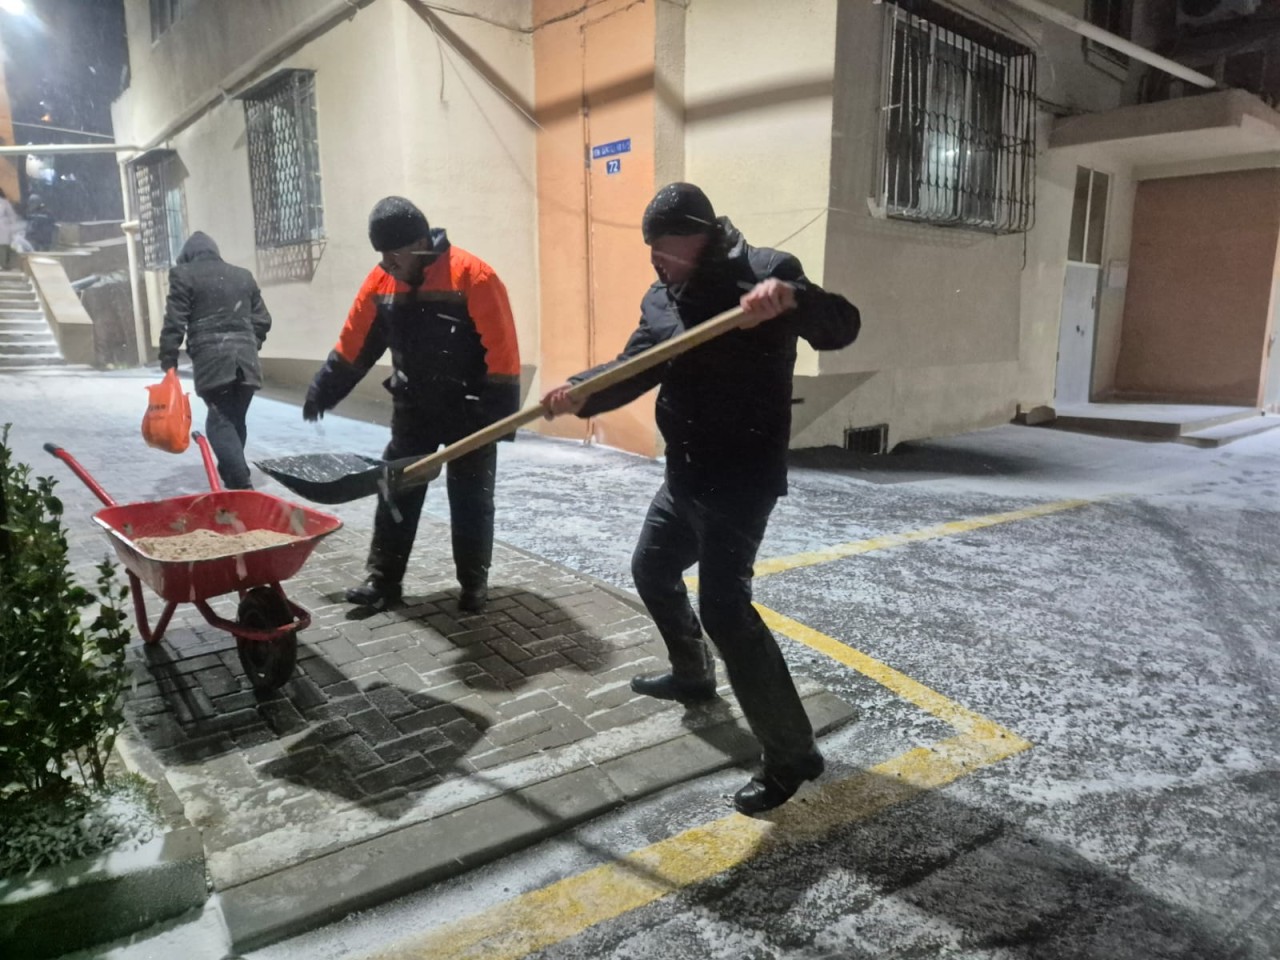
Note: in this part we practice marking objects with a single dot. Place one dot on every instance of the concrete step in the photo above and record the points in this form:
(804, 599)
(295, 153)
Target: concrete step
(24, 336)
(15, 303)
(13, 321)
(26, 361)
(37, 348)
(1224, 433)
(1147, 421)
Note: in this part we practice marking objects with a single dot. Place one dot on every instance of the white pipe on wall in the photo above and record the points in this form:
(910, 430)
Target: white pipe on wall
(45, 149)
(130, 228)
(1119, 44)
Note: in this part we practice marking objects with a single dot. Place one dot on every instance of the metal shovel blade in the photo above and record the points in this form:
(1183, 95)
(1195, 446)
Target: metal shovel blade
(327, 477)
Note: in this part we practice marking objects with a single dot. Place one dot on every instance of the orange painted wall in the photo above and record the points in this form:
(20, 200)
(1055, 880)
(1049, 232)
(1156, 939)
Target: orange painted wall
(8, 169)
(1201, 268)
(594, 84)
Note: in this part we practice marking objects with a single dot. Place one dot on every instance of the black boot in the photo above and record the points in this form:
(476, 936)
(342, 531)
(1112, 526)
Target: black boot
(769, 790)
(473, 599)
(666, 686)
(374, 593)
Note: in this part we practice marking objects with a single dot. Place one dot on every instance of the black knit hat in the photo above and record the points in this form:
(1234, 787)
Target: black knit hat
(678, 209)
(395, 222)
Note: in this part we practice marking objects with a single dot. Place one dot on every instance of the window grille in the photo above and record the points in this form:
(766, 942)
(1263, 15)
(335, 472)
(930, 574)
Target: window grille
(164, 14)
(161, 207)
(958, 119)
(284, 172)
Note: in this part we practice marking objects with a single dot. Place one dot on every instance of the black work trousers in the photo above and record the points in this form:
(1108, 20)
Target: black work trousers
(225, 427)
(721, 534)
(469, 481)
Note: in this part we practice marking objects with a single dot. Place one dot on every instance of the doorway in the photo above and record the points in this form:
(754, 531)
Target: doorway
(1078, 321)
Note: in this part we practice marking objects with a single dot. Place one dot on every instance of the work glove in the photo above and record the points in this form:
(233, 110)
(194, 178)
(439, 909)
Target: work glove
(311, 411)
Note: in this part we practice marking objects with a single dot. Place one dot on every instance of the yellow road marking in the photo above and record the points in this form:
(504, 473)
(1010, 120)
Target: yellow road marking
(552, 914)
(928, 700)
(840, 551)
(546, 916)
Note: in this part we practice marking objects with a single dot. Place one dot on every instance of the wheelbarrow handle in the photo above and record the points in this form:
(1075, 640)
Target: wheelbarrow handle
(423, 470)
(206, 454)
(54, 450)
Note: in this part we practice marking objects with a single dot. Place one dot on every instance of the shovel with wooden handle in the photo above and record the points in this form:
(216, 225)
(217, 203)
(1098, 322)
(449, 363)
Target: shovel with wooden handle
(330, 478)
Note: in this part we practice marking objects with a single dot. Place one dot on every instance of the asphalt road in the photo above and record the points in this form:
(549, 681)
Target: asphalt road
(1128, 639)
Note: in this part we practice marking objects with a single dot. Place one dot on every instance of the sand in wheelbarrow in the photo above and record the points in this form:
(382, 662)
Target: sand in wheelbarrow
(209, 544)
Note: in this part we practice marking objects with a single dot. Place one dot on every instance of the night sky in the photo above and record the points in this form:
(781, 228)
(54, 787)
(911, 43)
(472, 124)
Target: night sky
(66, 60)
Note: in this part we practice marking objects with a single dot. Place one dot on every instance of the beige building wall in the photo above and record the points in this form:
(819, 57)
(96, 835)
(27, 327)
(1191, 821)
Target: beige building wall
(757, 121)
(780, 125)
(420, 119)
(960, 327)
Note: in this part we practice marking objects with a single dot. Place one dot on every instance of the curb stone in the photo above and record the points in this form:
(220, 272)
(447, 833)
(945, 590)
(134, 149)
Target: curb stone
(76, 905)
(317, 892)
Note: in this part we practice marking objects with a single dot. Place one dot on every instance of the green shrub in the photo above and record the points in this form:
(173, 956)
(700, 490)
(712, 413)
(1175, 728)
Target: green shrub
(60, 680)
(35, 833)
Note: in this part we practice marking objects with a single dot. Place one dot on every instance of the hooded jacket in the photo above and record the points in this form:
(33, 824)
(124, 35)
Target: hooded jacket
(724, 408)
(217, 308)
(454, 357)
(40, 224)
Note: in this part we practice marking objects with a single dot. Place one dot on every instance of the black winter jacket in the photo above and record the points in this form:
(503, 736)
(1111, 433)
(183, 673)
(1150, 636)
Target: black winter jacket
(724, 408)
(217, 308)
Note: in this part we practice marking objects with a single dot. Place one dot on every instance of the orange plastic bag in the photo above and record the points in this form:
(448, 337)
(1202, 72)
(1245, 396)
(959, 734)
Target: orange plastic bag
(167, 422)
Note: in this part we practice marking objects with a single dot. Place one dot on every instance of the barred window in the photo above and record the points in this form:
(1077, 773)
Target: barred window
(284, 173)
(164, 14)
(958, 122)
(1114, 16)
(158, 198)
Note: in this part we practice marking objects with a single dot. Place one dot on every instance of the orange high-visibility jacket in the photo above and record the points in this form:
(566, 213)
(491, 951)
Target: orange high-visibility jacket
(452, 340)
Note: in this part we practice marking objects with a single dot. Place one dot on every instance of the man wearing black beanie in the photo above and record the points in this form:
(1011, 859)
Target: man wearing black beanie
(455, 368)
(724, 410)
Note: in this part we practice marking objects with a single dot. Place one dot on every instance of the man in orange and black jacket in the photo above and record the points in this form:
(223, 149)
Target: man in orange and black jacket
(455, 368)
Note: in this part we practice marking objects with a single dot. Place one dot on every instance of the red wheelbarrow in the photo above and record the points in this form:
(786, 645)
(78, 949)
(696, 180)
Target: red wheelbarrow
(267, 622)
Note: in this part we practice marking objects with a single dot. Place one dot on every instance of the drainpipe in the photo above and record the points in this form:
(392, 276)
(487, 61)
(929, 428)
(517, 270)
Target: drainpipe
(130, 228)
(1119, 44)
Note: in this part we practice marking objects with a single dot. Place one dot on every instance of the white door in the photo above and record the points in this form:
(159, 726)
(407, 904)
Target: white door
(1075, 332)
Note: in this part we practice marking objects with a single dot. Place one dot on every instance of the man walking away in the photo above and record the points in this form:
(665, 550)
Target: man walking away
(41, 226)
(217, 308)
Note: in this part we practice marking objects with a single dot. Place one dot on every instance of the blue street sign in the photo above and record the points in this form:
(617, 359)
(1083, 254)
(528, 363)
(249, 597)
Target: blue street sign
(613, 166)
(611, 149)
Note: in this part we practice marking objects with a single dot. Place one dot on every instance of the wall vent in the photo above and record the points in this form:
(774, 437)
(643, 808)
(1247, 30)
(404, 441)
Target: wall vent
(867, 440)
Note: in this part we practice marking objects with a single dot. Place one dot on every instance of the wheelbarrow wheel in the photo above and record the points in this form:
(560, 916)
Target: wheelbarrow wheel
(268, 664)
